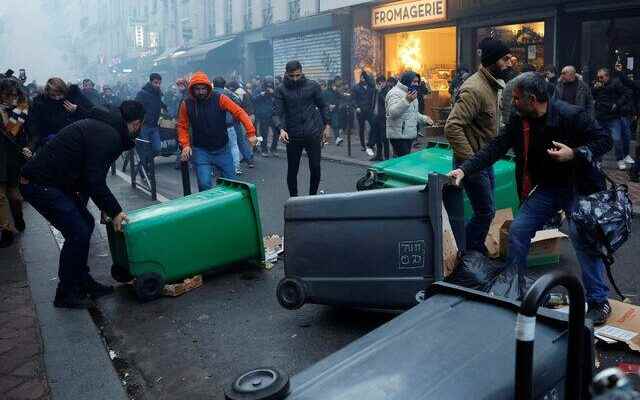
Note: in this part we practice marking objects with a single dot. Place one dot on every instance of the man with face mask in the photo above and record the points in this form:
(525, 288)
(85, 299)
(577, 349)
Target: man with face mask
(68, 171)
(300, 115)
(205, 114)
(472, 123)
(363, 97)
(555, 144)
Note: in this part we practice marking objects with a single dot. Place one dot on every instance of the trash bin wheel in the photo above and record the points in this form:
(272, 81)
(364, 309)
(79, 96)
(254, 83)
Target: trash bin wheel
(291, 293)
(366, 182)
(259, 384)
(149, 286)
(120, 274)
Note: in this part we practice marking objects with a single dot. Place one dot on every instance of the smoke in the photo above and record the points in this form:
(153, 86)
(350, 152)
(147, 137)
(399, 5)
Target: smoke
(32, 40)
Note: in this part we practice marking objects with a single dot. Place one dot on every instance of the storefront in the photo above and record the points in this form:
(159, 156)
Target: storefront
(321, 43)
(417, 36)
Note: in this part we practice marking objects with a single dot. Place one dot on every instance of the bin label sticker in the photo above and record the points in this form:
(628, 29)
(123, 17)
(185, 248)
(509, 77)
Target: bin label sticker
(411, 254)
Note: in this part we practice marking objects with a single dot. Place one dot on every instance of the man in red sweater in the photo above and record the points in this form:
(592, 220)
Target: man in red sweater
(205, 112)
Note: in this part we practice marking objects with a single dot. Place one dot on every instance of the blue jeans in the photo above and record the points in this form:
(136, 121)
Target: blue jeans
(539, 207)
(243, 143)
(207, 161)
(621, 135)
(479, 188)
(67, 213)
(149, 144)
(233, 146)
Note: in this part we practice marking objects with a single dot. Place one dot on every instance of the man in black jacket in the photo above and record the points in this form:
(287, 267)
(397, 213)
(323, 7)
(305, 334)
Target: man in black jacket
(299, 114)
(363, 97)
(263, 103)
(67, 172)
(555, 144)
(151, 98)
(611, 98)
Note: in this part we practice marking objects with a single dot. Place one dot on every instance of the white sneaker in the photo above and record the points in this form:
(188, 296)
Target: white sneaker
(370, 152)
(629, 160)
(622, 165)
(238, 171)
(339, 141)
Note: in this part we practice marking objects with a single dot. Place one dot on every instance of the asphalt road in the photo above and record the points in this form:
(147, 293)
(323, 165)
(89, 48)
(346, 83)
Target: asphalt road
(193, 345)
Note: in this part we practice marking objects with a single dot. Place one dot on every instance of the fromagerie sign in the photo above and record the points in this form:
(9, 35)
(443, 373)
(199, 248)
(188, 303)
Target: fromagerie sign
(410, 12)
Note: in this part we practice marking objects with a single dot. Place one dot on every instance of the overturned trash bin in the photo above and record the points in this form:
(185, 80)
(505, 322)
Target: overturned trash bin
(370, 249)
(168, 242)
(457, 344)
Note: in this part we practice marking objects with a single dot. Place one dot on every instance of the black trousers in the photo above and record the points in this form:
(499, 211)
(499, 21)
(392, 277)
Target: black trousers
(401, 147)
(313, 146)
(378, 137)
(363, 116)
(263, 126)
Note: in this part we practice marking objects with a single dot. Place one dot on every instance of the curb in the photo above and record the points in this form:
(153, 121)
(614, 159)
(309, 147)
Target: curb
(76, 361)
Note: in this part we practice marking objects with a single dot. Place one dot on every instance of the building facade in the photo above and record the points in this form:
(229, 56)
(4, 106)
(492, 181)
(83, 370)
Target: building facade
(241, 38)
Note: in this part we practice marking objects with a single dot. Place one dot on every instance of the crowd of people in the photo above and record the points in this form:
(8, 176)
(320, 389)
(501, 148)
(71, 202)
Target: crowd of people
(58, 142)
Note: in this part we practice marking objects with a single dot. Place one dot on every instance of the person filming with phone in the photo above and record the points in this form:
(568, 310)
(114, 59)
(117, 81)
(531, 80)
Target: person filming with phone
(555, 145)
(403, 116)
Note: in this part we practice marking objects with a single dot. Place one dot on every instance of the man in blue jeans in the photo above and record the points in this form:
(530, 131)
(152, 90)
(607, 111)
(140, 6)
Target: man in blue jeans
(151, 98)
(204, 112)
(555, 144)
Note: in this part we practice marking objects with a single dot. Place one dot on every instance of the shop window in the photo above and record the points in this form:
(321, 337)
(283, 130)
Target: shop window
(606, 43)
(526, 41)
(432, 54)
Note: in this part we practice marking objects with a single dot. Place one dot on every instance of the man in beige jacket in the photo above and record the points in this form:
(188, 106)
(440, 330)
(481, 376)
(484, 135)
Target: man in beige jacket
(473, 122)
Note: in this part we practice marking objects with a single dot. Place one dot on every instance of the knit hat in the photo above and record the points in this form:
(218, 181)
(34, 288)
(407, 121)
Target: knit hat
(492, 51)
(407, 78)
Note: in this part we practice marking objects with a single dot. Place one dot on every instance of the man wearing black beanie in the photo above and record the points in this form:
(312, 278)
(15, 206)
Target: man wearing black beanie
(472, 123)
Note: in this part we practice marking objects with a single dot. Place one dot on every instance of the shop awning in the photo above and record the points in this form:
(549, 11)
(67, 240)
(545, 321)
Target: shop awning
(165, 55)
(199, 53)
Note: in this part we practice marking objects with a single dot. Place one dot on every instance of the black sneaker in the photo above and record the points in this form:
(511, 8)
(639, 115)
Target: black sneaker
(95, 289)
(20, 225)
(599, 312)
(72, 298)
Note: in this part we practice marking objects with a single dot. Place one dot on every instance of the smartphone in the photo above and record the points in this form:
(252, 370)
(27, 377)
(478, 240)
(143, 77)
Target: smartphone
(22, 75)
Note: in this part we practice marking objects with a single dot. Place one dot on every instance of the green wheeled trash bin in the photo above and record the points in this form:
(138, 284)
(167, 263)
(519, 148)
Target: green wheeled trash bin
(171, 241)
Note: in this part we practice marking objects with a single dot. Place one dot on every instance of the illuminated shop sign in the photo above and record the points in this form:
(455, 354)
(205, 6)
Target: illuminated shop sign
(409, 12)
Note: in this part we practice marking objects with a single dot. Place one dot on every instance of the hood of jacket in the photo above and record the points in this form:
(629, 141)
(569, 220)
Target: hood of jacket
(199, 78)
(114, 119)
(149, 88)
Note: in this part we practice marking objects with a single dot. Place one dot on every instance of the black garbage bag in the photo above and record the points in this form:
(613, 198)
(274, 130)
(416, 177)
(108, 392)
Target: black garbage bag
(511, 283)
(477, 271)
(474, 271)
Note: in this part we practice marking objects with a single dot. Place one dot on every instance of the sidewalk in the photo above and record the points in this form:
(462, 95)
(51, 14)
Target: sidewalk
(22, 372)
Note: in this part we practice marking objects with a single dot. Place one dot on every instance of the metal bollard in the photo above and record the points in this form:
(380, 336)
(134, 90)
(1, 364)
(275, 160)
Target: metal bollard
(349, 130)
(186, 179)
(152, 178)
(132, 167)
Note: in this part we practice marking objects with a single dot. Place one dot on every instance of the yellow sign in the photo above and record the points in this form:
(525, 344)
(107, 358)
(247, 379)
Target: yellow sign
(408, 12)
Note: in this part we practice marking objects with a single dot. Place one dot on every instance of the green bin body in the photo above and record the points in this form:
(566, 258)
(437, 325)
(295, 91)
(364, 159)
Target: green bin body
(413, 169)
(193, 234)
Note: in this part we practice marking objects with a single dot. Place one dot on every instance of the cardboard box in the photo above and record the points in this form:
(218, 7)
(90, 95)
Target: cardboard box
(178, 289)
(493, 240)
(623, 325)
(450, 251)
(544, 243)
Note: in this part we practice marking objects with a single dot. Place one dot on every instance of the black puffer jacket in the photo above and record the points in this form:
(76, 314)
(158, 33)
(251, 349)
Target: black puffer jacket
(299, 109)
(564, 123)
(151, 99)
(611, 100)
(79, 157)
(47, 116)
(363, 97)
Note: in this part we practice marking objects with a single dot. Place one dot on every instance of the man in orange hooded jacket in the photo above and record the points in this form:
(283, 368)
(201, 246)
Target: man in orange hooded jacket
(204, 112)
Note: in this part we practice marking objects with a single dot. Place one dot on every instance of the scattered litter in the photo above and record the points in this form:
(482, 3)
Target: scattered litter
(622, 326)
(178, 289)
(158, 379)
(112, 354)
(273, 246)
(293, 336)
(630, 369)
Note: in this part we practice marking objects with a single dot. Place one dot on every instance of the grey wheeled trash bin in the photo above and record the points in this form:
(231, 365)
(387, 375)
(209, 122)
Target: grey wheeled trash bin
(457, 344)
(369, 249)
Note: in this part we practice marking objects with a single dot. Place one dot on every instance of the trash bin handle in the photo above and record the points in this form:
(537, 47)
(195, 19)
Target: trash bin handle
(525, 334)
